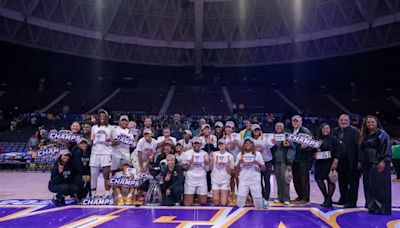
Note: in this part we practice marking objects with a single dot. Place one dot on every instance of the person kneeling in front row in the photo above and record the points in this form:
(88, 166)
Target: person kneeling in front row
(62, 181)
(172, 186)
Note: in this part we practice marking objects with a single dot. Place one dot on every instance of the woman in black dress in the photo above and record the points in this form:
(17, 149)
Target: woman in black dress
(375, 158)
(326, 159)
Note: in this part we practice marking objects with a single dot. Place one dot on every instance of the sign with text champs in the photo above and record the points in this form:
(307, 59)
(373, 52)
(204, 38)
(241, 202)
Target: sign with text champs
(302, 139)
(64, 136)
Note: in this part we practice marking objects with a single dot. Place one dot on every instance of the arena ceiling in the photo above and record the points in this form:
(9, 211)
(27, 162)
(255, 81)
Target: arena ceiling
(202, 32)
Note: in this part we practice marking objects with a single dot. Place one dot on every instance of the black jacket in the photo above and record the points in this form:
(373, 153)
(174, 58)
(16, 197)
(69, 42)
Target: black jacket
(303, 155)
(375, 148)
(283, 154)
(330, 143)
(348, 139)
(177, 178)
(65, 177)
(80, 160)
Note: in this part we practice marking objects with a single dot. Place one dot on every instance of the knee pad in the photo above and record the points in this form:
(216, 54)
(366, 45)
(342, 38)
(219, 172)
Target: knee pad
(241, 201)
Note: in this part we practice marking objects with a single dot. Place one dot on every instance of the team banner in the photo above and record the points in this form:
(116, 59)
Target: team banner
(126, 140)
(49, 150)
(64, 136)
(131, 183)
(125, 182)
(304, 139)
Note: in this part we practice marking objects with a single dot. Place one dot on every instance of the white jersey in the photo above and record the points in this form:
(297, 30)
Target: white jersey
(213, 139)
(179, 157)
(122, 150)
(147, 148)
(249, 173)
(101, 136)
(219, 173)
(197, 171)
(186, 146)
(261, 144)
(231, 146)
(162, 139)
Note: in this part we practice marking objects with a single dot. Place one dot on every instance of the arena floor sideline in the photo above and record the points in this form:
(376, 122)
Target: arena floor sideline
(25, 201)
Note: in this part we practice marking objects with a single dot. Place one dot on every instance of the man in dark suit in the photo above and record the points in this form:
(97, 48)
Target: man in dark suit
(302, 163)
(349, 174)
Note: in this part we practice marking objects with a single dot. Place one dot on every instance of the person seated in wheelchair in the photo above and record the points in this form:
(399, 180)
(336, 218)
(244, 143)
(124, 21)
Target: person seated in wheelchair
(172, 182)
(120, 191)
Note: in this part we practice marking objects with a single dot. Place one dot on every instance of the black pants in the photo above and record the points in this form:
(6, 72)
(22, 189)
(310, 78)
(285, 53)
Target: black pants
(265, 176)
(377, 188)
(174, 197)
(349, 179)
(301, 179)
(64, 189)
(84, 190)
(396, 165)
(209, 180)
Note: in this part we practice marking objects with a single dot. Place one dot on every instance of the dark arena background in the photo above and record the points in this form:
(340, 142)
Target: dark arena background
(200, 113)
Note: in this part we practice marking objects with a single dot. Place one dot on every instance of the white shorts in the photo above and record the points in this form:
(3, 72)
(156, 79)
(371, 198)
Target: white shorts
(116, 162)
(221, 186)
(255, 189)
(100, 160)
(199, 188)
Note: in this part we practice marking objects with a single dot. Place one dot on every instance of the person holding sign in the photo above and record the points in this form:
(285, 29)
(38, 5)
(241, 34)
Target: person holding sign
(302, 163)
(249, 165)
(326, 160)
(121, 151)
(284, 153)
(102, 149)
(172, 186)
(232, 140)
(146, 148)
(375, 158)
(262, 145)
(81, 159)
(195, 162)
(221, 164)
(62, 178)
(128, 173)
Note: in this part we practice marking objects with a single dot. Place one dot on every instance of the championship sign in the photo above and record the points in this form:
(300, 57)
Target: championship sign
(98, 201)
(302, 139)
(49, 150)
(64, 136)
(126, 140)
(125, 182)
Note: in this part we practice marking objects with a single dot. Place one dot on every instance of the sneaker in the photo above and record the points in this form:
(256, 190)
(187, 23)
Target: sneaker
(120, 201)
(265, 204)
(276, 201)
(58, 201)
(177, 204)
(287, 203)
(209, 195)
(129, 201)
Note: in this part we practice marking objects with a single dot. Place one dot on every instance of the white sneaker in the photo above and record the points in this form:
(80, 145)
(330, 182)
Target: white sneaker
(209, 194)
(276, 201)
(287, 203)
(265, 204)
